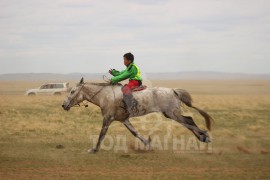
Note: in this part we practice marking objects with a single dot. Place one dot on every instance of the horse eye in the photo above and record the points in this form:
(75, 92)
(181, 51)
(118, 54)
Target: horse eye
(72, 92)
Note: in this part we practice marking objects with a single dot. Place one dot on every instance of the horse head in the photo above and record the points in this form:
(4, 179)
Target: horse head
(74, 97)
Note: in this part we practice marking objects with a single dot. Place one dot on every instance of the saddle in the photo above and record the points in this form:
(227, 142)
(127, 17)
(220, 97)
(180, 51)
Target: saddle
(140, 88)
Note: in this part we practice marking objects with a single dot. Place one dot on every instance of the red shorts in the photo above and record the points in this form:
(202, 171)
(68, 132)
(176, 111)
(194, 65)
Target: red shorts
(127, 89)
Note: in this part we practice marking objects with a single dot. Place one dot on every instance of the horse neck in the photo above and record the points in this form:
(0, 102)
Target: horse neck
(93, 93)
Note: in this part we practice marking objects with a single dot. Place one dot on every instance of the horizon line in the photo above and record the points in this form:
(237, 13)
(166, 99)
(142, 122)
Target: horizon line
(220, 72)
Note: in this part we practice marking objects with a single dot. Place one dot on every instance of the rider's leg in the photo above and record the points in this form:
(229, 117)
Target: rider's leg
(128, 99)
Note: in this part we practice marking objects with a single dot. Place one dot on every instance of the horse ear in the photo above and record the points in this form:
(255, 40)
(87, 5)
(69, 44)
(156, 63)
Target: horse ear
(81, 82)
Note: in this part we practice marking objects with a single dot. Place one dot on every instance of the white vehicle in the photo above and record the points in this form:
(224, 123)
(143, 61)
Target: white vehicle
(49, 89)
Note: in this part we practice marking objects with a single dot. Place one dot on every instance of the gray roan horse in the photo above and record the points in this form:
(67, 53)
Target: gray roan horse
(158, 99)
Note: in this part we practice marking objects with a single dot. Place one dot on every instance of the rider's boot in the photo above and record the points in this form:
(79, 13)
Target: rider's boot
(130, 103)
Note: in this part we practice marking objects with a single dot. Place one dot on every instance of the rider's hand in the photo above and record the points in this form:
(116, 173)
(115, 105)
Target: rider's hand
(112, 82)
(110, 71)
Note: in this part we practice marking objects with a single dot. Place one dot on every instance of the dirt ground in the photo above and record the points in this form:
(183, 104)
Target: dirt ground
(38, 140)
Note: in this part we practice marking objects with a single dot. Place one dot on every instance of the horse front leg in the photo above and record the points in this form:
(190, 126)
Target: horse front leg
(105, 126)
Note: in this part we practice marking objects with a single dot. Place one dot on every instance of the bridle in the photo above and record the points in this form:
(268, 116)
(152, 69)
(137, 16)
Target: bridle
(85, 104)
(77, 105)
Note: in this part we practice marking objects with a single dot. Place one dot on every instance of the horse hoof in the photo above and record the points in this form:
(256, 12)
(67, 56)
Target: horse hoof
(92, 151)
(149, 148)
(207, 140)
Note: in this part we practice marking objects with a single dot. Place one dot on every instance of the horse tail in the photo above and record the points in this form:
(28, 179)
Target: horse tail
(185, 97)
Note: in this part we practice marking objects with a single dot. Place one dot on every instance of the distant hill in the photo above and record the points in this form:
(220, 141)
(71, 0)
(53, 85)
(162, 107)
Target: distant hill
(205, 75)
(48, 76)
(194, 75)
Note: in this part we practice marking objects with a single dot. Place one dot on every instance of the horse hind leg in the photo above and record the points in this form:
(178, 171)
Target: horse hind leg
(189, 123)
(136, 134)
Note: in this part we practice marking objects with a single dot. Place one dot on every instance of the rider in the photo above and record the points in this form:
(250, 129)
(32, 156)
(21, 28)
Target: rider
(132, 72)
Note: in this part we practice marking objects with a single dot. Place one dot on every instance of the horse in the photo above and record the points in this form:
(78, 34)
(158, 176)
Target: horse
(109, 98)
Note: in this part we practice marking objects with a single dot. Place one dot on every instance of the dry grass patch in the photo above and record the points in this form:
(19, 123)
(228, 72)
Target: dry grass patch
(40, 140)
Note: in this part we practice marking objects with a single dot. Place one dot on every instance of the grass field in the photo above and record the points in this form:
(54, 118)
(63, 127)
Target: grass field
(38, 140)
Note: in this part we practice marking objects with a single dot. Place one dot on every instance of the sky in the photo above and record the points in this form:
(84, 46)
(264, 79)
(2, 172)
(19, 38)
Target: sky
(91, 36)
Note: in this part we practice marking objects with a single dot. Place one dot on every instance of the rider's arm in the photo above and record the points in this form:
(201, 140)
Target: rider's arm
(128, 73)
(115, 72)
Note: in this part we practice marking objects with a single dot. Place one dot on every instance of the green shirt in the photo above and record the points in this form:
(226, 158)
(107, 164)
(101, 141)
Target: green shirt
(132, 72)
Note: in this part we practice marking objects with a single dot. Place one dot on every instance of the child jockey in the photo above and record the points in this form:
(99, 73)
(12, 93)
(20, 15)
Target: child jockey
(132, 72)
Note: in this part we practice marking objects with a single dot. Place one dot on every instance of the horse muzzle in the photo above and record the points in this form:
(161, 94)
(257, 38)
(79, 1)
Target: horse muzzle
(65, 107)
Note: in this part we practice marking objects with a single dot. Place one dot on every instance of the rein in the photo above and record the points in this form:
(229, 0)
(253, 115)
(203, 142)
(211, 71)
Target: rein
(97, 93)
(85, 104)
(108, 82)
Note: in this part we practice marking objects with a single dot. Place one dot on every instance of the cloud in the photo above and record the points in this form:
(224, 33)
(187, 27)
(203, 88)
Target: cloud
(176, 35)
